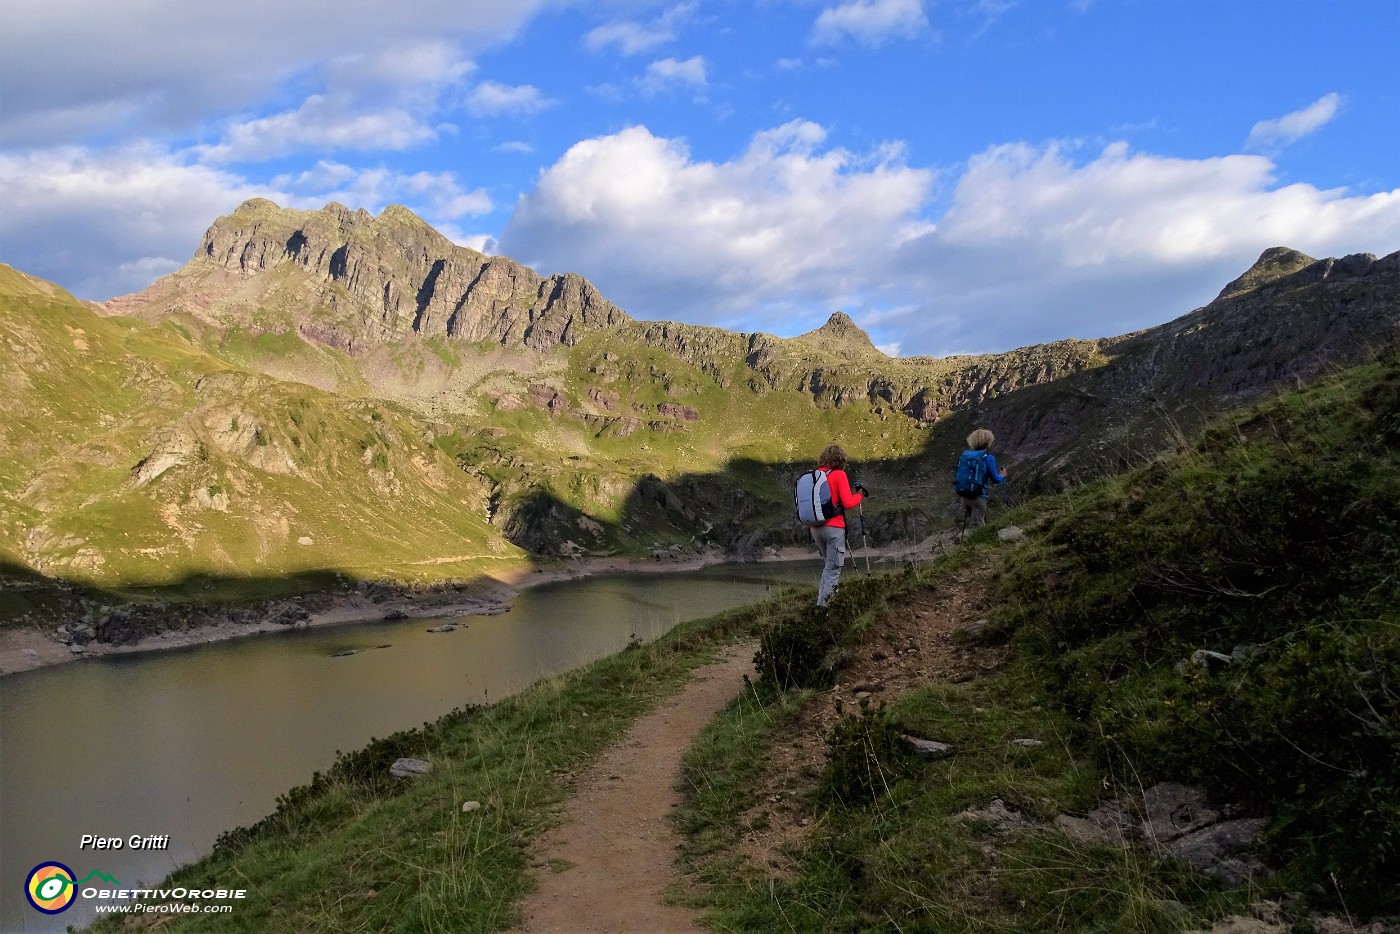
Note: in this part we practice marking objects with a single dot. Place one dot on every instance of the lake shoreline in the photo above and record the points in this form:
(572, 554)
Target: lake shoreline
(31, 648)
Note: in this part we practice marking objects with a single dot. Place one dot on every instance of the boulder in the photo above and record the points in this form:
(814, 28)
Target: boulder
(1219, 850)
(929, 749)
(410, 768)
(1172, 810)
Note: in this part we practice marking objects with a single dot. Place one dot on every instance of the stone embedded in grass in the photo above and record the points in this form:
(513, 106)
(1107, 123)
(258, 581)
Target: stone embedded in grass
(1028, 743)
(1210, 662)
(1218, 850)
(471, 806)
(1010, 534)
(930, 749)
(410, 768)
(1246, 651)
(1108, 825)
(1171, 810)
(999, 818)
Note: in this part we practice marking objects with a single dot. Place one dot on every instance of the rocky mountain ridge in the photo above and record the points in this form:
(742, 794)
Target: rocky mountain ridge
(372, 280)
(354, 282)
(574, 428)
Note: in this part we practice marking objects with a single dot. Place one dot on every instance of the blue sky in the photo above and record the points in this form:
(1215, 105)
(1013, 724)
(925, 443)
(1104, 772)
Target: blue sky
(959, 176)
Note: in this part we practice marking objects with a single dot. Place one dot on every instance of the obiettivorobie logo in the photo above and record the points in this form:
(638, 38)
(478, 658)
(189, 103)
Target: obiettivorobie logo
(52, 887)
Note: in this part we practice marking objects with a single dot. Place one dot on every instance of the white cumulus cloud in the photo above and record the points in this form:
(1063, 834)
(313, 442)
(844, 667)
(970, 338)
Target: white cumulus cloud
(319, 124)
(1036, 246)
(82, 68)
(106, 222)
(668, 74)
(436, 195)
(870, 23)
(1290, 128)
(786, 228)
(1035, 243)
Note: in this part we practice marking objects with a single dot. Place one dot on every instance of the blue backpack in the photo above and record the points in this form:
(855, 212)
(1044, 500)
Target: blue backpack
(971, 477)
(813, 499)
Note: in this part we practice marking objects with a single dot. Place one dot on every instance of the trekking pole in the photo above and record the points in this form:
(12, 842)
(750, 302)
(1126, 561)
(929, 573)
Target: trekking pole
(864, 538)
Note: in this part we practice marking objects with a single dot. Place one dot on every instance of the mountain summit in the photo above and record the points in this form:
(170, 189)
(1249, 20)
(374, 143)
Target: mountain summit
(841, 336)
(352, 281)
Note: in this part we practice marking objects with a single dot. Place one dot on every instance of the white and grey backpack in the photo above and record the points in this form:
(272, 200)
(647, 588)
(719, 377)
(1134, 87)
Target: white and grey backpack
(813, 498)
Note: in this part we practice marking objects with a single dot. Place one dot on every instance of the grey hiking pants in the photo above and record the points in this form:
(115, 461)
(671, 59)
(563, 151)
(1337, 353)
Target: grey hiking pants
(831, 542)
(974, 511)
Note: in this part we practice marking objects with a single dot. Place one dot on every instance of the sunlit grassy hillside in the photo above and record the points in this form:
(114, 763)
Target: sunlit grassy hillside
(129, 458)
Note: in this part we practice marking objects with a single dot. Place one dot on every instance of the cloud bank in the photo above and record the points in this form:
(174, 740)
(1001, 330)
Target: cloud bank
(1043, 242)
(86, 67)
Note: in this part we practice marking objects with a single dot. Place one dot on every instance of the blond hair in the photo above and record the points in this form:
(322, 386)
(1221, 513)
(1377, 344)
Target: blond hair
(980, 440)
(833, 456)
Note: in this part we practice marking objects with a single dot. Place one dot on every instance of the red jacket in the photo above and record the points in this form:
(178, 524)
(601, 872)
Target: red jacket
(841, 494)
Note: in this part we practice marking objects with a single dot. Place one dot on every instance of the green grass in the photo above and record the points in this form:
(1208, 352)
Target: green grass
(313, 482)
(904, 860)
(1276, 532)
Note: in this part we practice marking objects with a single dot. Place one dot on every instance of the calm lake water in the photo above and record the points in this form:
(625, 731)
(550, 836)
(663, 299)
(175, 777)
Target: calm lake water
(186, 743)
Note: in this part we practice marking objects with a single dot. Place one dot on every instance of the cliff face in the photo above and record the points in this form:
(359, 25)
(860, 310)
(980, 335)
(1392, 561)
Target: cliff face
(353, 281)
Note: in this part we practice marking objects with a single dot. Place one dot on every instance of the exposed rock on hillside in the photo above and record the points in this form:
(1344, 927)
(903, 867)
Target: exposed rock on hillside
(350, 280)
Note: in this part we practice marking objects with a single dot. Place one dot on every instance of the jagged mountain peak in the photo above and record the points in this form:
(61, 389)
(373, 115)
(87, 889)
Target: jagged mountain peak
(353, 281)
(840, 335)
(1274, 263)
(394, 218)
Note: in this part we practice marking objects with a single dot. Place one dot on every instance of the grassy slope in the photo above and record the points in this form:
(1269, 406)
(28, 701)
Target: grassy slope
(262, 466)
(1277, 529)
(269, 478)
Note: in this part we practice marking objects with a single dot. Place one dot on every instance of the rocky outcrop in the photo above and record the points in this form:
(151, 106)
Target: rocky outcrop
(358, 281)
(1179, 822)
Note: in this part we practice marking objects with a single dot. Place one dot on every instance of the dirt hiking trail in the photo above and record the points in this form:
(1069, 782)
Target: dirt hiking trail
(616, 840)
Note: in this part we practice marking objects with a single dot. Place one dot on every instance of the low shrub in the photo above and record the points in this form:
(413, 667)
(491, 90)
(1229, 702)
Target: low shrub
(865, 758)
(795, 652)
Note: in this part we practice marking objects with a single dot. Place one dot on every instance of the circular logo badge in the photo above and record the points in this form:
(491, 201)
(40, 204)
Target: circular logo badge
(50, 888)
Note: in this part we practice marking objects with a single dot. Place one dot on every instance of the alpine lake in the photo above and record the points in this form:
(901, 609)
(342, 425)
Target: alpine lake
(162, 751)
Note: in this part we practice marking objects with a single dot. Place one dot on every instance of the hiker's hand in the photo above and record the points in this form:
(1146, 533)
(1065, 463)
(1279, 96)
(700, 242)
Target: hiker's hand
(860, 488)
(1002, 471)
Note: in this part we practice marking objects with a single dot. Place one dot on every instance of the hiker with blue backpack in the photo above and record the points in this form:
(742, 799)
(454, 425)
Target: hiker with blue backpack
(977, 471)
(823, 496)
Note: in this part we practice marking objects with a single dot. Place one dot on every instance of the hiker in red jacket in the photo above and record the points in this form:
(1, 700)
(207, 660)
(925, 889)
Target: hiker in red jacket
(831, 538)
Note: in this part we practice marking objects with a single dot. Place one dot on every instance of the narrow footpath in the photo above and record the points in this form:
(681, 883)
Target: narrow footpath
(615, 848)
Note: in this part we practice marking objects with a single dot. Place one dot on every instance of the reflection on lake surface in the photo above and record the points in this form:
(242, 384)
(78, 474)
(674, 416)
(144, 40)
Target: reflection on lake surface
(191, 742)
